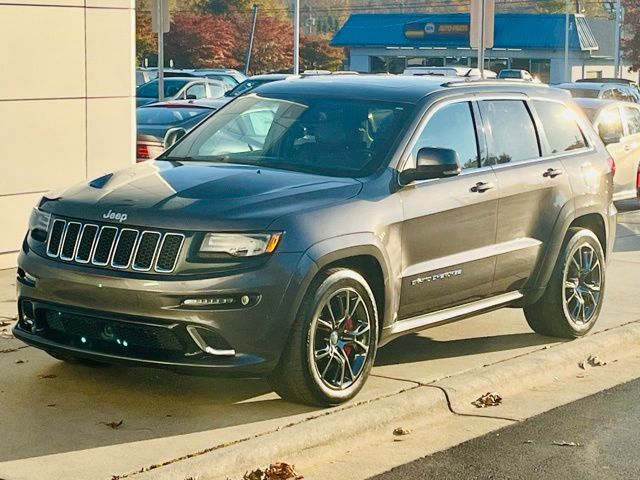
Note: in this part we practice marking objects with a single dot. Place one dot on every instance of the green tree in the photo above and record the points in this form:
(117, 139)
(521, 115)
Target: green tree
(631, 44)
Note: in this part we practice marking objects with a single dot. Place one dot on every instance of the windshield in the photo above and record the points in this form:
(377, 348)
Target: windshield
(168, 115)
(510, 74)
(326, 136)
(583, 92)
(245, 87)
(150, 89)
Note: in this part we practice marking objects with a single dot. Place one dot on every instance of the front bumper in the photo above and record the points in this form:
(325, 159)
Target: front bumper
(116, 318)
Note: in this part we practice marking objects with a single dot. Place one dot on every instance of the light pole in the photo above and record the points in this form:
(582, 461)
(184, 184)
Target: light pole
(296, 38)
(567, 24)
(617, 39)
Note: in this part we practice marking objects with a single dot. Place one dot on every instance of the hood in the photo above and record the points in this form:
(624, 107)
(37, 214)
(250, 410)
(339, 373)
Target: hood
(199, 196)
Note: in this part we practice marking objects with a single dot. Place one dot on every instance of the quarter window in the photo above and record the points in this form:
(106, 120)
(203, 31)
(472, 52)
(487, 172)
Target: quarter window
(610, 124)
(451, 127)
(511, 135)
(633, 119)
(560, 127)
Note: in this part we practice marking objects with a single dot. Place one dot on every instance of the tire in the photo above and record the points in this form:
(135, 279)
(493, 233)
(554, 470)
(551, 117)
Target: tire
(330, 352)
(571, 303)
(63, 357)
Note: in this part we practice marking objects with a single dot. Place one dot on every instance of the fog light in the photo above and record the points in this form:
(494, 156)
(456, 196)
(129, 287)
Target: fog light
(245, 300)
(205, 302)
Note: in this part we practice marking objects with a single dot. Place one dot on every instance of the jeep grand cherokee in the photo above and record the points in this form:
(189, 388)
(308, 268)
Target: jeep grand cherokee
(308, 223)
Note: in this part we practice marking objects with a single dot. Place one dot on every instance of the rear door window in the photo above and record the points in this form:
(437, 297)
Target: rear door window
(560, 127)
(632, 116)
(510, 131)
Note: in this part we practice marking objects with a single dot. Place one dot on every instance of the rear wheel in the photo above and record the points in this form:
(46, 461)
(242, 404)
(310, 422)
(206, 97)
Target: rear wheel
(333, 343)
(573, 298)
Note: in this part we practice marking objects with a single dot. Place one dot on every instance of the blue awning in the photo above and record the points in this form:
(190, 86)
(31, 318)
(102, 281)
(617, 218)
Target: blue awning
(512, 30)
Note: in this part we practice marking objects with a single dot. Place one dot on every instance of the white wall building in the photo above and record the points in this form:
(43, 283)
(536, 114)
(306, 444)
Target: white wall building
(66, 101)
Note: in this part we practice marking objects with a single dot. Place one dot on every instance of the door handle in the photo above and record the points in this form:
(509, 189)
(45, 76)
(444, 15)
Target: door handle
(627, 148)
(481, 187)
(552, 173)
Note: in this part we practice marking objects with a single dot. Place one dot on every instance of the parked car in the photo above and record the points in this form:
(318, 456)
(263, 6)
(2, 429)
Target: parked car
(227, 75)
(144, 75)
(154, 121)
(618, 124)
(450, 71)
(605, 91)
(294, 232)
(632, 86)
(250, 84)
(177, 88)
(515, 74)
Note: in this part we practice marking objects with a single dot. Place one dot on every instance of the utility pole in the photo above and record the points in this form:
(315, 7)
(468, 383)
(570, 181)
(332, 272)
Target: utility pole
(481, 49)
(567, 24)
(160, 51)
(251, 36)
(617, 38)
(296, 38)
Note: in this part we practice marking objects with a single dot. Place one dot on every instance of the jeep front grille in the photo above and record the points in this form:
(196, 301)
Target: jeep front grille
(109, 246)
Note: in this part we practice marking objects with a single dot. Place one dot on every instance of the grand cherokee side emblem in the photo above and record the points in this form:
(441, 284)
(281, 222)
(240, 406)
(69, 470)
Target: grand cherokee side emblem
(436, 277)
(111, 215)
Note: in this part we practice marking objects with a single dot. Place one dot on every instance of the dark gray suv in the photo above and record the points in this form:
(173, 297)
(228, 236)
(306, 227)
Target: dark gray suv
(308, 223)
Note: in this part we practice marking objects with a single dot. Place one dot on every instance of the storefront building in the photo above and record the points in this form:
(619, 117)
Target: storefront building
(380, 43)
(66, 101)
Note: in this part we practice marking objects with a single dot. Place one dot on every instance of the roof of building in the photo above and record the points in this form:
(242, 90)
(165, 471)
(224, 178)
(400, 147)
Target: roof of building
(512, 30)
(604, 32)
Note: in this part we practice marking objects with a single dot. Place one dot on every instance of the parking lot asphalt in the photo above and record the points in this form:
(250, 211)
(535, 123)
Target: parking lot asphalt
(587, 439)
(55, 421)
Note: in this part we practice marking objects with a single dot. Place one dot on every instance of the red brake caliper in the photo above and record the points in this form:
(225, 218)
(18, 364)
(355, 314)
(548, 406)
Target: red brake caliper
(348, 326)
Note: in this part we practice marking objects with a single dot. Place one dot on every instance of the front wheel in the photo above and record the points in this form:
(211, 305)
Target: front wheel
(573, 298)
(333, 343)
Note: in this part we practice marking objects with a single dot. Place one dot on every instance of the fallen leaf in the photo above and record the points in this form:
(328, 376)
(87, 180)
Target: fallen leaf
(592, 361)
(488, 400)
(49, 375)
(399, 431)
(20, 361)
(114, 425)
(275, 471)
(528, 441)
(51, 405)
(566, 444)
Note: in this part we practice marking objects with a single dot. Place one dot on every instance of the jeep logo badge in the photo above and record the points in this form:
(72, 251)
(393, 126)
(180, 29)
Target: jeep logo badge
(111, 215)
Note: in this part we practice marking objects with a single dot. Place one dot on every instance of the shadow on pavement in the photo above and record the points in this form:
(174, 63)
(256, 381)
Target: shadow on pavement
(417, 348)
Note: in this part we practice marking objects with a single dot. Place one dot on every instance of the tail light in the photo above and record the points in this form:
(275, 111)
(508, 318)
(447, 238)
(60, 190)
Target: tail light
(142, 152)
(638, 183)
(612, 166)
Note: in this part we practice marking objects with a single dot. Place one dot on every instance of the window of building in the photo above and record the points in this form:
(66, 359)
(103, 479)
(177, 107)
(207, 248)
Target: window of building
(511, 134)
(562, 132)
(452, 127)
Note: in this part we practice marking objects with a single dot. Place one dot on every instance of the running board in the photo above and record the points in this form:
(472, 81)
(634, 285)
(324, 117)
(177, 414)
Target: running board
(443, 316)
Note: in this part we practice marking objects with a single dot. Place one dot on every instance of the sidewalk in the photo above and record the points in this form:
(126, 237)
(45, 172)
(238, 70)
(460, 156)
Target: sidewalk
(55, 429)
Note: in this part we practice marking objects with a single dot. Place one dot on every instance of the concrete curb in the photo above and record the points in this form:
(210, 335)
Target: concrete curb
(507, 377)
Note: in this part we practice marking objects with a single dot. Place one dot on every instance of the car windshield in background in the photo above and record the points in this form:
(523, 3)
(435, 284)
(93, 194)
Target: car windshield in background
(150, 89)
(168, 115)
(245, 87)
(510, 74)
(584, 92)
(325, 136)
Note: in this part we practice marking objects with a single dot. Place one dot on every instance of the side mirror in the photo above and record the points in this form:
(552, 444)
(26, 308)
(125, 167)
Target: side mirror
(191, 96)
(172, 136)
(432, 163)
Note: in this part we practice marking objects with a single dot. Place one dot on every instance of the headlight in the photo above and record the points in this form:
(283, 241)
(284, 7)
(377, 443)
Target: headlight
(39, 220)
(240, 244)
